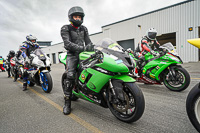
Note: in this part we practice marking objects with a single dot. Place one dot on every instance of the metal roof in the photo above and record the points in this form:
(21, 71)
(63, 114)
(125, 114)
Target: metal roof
(148, 13)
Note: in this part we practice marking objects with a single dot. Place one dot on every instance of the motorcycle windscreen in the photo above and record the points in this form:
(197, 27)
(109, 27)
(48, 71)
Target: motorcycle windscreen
(40, 54)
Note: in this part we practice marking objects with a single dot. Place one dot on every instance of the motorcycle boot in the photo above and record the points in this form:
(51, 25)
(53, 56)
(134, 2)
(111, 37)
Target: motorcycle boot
(25, 79)
(67, 97)
(67, 105)
(24, 86)
(8, 70)
(15, 75)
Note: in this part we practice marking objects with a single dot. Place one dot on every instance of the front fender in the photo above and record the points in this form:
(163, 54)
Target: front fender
(44, 71)
(124, 78)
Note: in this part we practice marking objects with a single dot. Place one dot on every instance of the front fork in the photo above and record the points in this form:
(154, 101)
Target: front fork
(172, 74)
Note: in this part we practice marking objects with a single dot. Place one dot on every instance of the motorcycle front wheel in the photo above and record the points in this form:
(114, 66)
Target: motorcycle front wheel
(180, 82)
(46, 83)
(134, 107)
(193, 106)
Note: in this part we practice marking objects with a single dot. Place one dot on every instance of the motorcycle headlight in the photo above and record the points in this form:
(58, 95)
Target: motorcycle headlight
(40, 63)
(174, 58)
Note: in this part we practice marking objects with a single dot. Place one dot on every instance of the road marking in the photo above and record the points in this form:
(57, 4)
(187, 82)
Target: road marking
(71, 115)
(195, 78)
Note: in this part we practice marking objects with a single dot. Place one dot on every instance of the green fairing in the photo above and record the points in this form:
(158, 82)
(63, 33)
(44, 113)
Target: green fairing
(63, 57)
(162, 63)
(85, 55)
(97, 81)
(124, 78)
(111, 65)
(82, 96)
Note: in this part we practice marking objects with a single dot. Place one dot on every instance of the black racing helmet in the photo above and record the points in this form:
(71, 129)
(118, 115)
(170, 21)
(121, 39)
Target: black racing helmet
(76, 10)
(151, 33)
(12, 53)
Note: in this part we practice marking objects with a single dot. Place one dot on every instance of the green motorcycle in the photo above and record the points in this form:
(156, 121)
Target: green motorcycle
(102, 78)
(164, 69)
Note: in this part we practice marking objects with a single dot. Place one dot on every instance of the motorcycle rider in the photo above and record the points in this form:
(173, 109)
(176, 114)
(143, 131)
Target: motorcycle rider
(1, 64)
(25, 50)
(147, 44)
(76, 39)
(9, 57)
(16, 66)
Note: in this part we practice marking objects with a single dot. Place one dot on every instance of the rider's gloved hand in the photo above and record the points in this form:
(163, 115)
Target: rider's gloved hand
(89, 47)
(154, 53)
(129, 50)
(24, 54)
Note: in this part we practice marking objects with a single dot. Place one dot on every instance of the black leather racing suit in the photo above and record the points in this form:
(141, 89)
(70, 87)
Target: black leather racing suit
(75, 40)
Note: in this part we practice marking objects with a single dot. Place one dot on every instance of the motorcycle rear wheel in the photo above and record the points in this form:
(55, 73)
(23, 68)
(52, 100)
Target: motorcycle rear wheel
(182, 80)
(134, 108)
(193, 106)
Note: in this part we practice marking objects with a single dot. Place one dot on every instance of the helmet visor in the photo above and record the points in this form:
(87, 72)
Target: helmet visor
(152, 35)
(33, 41)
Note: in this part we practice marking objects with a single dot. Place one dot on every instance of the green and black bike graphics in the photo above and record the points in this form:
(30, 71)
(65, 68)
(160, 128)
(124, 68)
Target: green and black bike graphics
(164, 69)
(102, 78)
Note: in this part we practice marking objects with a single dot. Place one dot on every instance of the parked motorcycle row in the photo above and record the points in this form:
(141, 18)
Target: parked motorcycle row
(106, 77)
(38, 73)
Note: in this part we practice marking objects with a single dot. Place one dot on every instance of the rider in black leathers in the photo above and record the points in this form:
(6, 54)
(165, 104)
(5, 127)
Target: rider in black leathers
(17, 64)
(9, 57)
(76, 39)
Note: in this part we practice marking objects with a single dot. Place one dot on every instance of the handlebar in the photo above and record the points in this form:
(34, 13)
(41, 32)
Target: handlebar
(92, 56)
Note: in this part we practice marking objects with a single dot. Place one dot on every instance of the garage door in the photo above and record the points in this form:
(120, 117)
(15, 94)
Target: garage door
(127, 44)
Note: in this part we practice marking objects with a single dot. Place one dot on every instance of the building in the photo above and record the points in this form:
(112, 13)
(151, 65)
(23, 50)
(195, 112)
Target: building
(44, 43)
(175, 23)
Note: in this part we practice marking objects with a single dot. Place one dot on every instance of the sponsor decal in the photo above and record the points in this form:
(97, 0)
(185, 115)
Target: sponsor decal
(82, 76)
(91, 85)
(152, 76)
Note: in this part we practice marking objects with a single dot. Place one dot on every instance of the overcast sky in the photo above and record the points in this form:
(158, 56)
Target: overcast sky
(44, 18)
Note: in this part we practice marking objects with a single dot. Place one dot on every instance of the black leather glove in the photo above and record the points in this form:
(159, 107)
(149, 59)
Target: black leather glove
(89, 47)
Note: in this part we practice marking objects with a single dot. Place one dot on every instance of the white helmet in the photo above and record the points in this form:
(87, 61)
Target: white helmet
(151, 33)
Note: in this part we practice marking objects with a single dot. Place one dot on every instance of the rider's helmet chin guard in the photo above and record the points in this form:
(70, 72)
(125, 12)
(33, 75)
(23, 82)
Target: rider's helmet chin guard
(151, 34)
(32, 39)
(76, 11)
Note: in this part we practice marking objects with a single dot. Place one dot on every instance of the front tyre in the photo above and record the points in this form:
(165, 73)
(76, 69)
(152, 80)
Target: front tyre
(46, 83)
(132, 109)
(193, 106)
(179, 82)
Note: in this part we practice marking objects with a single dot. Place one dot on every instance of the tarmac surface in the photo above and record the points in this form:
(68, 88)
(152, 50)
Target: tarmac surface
(34, 111)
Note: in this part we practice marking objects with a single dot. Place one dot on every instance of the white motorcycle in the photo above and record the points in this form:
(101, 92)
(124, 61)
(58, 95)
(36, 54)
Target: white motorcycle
(39, 72)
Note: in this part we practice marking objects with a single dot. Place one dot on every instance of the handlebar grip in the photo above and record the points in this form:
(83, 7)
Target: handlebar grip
(91, 56)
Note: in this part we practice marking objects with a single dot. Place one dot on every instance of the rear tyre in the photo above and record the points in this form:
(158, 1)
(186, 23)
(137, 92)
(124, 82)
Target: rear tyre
(181, 80)
(134, 107)
(193, 106)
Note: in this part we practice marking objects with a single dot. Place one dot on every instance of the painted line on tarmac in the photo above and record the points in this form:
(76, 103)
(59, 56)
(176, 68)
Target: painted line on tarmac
(195, 78)
(71, 115)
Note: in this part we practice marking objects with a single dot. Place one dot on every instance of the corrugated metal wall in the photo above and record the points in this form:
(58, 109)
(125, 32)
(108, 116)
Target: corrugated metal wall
(173, 19)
